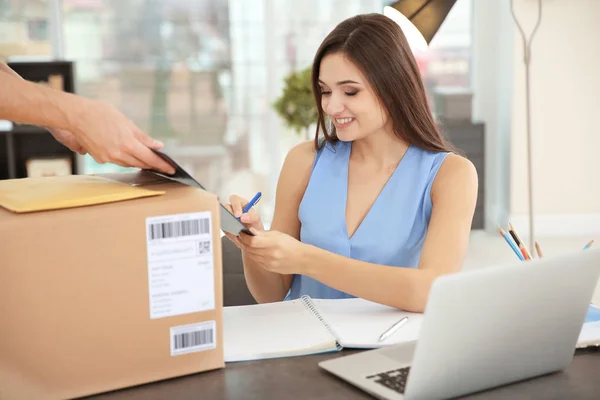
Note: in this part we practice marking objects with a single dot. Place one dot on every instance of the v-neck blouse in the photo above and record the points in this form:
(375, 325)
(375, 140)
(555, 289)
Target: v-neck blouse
(392, 232)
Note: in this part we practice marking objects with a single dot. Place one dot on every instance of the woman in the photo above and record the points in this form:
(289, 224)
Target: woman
(382, 206)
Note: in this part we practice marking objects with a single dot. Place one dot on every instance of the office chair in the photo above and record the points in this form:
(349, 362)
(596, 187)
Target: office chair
(235, 290)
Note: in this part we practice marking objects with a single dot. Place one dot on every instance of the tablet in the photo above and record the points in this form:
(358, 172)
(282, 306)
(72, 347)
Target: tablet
(229, 223)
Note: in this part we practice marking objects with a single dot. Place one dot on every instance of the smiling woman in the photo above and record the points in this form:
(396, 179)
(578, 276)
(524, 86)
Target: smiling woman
(373, 57)
(381, 207)
(337, 103)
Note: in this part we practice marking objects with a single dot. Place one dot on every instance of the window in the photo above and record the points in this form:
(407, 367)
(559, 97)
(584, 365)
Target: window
(201, 75)
(446, 63)
(37, 29)
(165, 65)
(24, 28)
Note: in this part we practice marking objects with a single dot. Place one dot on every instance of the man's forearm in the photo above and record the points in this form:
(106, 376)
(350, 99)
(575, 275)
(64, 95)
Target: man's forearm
(26, 102)
(9, 70)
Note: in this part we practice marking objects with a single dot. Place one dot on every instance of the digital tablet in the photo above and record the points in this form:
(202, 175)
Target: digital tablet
(229, 223)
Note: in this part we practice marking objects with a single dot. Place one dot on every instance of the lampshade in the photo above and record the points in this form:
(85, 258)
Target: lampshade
(419, 19)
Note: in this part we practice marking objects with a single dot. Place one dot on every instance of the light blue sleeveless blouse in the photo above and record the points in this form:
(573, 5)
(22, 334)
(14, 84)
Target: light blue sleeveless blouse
(393, 231)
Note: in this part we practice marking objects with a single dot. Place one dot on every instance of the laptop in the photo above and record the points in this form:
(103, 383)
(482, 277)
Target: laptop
(484, 328)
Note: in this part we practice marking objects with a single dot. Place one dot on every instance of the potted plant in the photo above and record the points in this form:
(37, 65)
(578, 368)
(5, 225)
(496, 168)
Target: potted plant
(296, 105)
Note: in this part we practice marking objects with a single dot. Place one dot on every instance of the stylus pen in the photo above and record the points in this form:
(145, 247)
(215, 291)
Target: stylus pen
(251, 203)
(392, 329)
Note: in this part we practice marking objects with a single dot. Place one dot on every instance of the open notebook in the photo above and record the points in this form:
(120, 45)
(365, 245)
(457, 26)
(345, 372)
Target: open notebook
(310, 326)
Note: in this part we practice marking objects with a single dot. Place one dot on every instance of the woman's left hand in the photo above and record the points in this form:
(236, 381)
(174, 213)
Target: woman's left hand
(274, 250)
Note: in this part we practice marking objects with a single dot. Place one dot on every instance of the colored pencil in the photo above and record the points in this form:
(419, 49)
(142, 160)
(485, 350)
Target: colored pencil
(511, 243)
(519, 242)
(539, 250)
(587, 246)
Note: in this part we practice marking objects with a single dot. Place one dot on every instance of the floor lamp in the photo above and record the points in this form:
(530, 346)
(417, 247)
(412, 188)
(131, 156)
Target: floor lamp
(527, 61)
(419, 19)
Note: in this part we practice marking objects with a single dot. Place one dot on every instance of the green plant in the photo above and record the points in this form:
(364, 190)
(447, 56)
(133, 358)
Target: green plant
(296, 105)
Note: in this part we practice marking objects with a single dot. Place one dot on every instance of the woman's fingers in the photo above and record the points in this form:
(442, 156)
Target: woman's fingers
(250, 218)
(237, 205)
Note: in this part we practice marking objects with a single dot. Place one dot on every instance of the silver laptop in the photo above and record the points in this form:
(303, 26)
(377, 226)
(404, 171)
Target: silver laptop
(484, 328)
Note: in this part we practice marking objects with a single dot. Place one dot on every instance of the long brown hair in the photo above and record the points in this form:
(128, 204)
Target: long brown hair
(379, 49)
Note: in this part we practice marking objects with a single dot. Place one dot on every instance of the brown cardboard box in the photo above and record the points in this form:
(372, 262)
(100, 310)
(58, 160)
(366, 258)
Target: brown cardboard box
(102, 297)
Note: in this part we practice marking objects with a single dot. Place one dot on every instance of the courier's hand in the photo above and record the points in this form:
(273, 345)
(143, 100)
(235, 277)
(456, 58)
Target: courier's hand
(101, 130)
(109, 136)
(67, 139)
(251, 219)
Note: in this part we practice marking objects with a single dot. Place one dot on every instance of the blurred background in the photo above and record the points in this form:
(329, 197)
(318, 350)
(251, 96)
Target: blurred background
(202, 75)
(213, 80)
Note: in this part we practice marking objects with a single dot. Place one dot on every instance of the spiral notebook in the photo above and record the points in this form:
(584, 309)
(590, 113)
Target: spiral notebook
(310, 326)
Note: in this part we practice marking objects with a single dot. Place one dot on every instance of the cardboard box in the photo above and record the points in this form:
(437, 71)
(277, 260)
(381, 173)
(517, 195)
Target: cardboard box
(103, 297)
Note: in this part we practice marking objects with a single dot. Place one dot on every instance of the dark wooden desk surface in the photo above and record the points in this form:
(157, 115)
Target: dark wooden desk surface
(301, 378)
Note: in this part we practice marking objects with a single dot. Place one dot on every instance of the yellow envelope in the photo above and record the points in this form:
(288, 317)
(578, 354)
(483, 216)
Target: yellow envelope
(55, 192)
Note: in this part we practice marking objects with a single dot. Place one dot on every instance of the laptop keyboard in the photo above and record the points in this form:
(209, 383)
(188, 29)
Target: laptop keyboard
(394, 379)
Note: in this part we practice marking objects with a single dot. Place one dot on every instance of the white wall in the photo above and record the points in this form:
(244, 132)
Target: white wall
(565, 103)
(565, 98)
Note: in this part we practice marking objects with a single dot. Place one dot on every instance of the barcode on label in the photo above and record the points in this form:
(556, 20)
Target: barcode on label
(173, 229)
(191, 338)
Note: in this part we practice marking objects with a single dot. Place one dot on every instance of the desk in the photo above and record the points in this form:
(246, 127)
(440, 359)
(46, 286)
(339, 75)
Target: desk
(301, 378)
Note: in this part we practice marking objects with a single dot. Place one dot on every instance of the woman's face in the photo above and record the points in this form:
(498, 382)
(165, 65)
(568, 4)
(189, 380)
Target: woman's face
(348, 99)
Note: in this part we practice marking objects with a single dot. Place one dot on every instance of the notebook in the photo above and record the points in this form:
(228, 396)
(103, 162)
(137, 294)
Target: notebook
(310, 326)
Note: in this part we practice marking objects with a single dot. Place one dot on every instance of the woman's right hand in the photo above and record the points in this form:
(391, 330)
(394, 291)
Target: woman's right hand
(251, 219)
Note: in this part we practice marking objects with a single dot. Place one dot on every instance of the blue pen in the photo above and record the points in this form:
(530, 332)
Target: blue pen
(251, 203)
(587, 246)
